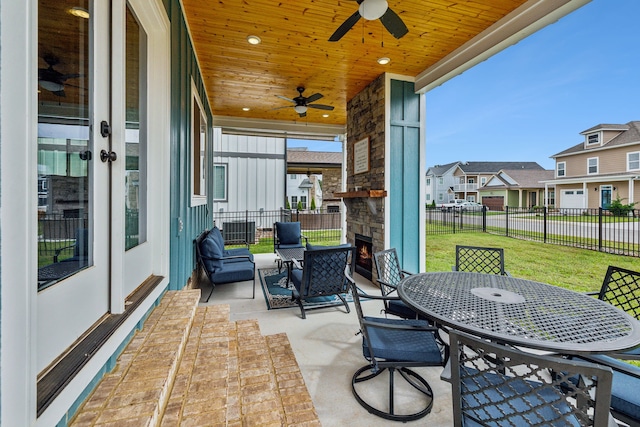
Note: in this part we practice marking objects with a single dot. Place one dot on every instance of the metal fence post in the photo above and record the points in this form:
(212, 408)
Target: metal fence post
(484, 219)
(544, 224)
(506, 221)
(600, 229)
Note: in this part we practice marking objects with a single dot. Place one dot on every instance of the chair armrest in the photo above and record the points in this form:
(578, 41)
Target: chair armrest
(59, 251)
(296, 264)
(388, 284)
(406, 273)
(247, 257)
(306, 240)
(402, 325)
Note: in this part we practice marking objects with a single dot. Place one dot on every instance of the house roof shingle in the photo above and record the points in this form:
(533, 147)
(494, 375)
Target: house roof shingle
(630, 133)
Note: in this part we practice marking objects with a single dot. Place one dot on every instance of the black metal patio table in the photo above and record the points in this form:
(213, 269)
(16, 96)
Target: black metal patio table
(521, 312)
(288, 255)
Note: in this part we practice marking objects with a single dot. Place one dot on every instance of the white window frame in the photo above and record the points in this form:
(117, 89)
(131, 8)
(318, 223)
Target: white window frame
(198, 162)
(596, 140)
(590, 165)
(224, 166)
(483, 181)
(635, 162)
(561, 169)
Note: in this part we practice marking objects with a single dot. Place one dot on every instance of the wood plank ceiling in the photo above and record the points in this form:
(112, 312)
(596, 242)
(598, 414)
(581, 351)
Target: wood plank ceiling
(295, 50)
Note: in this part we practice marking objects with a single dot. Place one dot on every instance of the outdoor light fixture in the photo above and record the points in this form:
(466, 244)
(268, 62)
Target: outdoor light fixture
(373, 9)
(254, 40)
(79, 12)
(300, 109)
(383, 60)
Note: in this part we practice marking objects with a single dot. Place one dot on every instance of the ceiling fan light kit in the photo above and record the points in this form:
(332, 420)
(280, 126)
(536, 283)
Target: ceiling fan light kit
(373, 9)
(302, 103)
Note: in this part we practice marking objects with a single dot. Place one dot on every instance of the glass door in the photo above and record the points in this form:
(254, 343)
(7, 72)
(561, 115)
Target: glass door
(73, 184)
(605, 196)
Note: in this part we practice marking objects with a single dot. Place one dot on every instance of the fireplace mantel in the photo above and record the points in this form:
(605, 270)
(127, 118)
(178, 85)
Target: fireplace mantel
(362, 194)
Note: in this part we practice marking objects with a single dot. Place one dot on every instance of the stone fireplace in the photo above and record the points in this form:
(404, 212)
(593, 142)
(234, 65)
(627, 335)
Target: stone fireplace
(364, 256)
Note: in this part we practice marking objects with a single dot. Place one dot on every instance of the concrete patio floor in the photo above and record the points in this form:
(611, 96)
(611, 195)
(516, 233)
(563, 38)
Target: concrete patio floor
(328, 351)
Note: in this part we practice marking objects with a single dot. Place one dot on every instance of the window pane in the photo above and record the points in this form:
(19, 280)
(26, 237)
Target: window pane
(219, 182)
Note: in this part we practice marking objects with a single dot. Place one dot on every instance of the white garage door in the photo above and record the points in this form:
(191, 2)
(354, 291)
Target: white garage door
(572, 199)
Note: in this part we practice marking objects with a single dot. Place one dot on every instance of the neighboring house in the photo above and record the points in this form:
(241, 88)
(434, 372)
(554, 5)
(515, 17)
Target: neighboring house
(301, 188)
(314, 174)
(601, 168)
(465, 180)
(520, 188)
(248, 173)
(440, 182)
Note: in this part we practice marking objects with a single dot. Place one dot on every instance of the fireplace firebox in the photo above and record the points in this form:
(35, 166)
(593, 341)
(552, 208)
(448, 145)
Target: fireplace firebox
(364, 256)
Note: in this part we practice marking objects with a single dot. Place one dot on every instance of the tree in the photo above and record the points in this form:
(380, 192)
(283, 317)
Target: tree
(288, 205)
(617, 208)
(313, 204)
(299, 205)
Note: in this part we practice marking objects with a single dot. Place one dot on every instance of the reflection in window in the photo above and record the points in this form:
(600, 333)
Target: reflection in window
(135, 163)
(64, 146)
(198, 151)
(220, 182)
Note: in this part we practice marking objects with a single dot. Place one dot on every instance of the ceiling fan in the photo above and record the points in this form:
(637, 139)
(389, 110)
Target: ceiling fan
(372, 10)
(301, 103)
(51, 79)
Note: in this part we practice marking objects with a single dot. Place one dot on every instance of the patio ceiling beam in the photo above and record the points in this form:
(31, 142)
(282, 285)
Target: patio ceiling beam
(278, 128)
(521, 23)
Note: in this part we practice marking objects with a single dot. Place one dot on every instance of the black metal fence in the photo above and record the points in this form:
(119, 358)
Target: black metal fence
(257, 226)
(595, 229)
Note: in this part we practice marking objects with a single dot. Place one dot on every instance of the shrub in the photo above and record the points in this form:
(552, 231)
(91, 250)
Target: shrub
(617, 208)
(288, 205)
(299, 205)
(313, 204)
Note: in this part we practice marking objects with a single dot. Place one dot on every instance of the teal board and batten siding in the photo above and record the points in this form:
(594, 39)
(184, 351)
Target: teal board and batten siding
(404, 169)
(186, 221)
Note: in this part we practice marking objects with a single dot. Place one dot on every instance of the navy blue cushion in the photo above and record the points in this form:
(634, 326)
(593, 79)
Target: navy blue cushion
(237, 252)
(288, 233)
(296, 278)
(311, 247)
(212, 253)
(626, 377)
(402, 345)
(399, 308)
(491, 396)
(234, 272)
(217, 236)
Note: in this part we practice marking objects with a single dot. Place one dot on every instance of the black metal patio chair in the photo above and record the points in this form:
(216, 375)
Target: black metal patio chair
(395, 346)
(389, 275)
(322, 275)
(621, 288)
(480, 259)
(496, 385)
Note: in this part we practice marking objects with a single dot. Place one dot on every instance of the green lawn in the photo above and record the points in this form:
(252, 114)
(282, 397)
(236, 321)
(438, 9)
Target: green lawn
(577, 269)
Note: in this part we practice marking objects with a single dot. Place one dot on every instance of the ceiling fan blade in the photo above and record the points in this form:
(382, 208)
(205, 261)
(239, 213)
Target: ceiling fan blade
(286, 99)
(346, 26)
(393, 23)
(320, 106)
(314, 97)
(286, 106)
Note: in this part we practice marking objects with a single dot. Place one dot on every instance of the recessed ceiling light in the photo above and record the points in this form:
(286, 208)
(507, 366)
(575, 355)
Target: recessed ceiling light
(254, 40)
(246, 108)
(79, 12)
(383, 61)
(325, 115)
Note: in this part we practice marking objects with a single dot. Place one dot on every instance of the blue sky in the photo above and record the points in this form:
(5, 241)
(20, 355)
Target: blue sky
(533, 99)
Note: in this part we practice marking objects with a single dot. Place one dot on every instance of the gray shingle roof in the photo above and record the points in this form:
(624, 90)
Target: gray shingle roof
(494, 167)
(630, 133)
(439, 170)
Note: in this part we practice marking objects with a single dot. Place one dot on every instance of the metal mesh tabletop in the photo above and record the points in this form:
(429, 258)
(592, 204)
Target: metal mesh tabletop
(521, 312)
(288, 254)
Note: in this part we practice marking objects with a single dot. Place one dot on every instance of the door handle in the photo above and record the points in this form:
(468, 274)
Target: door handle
(108, 156)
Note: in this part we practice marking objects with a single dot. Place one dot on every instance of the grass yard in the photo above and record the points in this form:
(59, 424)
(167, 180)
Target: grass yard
(572, 268)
